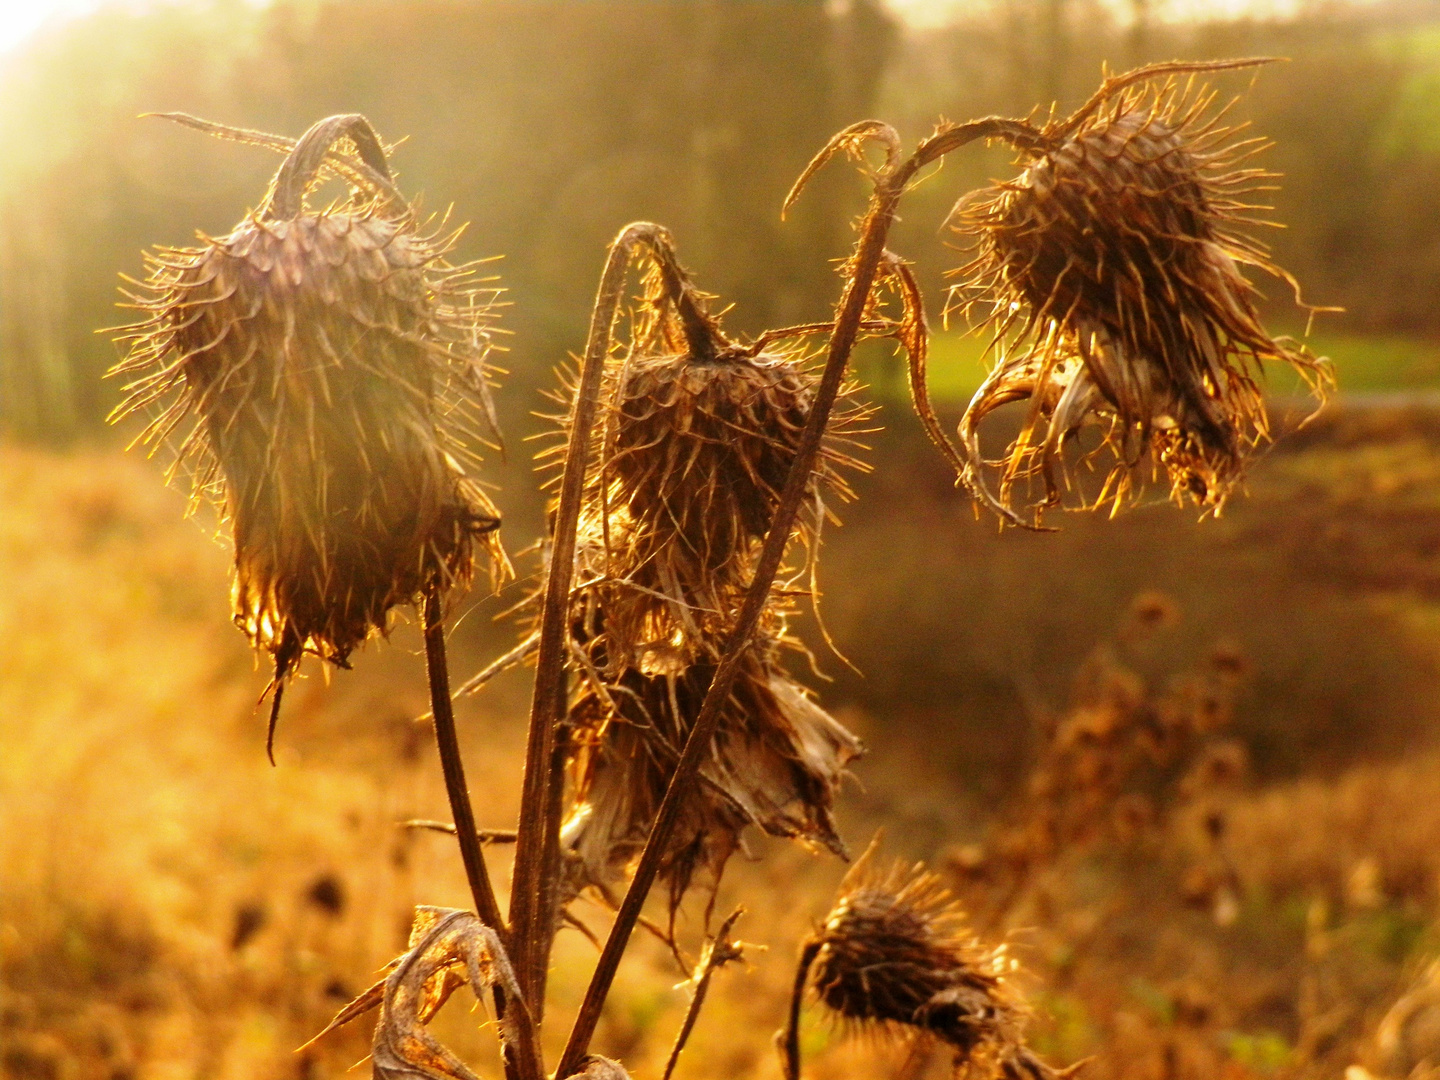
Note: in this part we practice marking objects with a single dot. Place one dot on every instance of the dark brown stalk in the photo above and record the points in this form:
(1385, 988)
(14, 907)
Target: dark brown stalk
(790, 1039)
(466, 833)
(549, 900)
(718, 953)
(548, 700)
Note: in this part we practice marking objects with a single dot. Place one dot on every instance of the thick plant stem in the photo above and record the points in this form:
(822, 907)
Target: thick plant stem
(528, 895)
(549, 899)
(874, 230)
(529, 1066)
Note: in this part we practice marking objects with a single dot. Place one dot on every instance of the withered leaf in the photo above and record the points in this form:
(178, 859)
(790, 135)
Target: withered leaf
(454, 947)
(447, 949)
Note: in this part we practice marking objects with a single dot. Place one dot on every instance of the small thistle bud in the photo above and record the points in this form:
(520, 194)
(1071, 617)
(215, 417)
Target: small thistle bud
(895, 953)
(327, 361)
(1111, 269)
(895, 950)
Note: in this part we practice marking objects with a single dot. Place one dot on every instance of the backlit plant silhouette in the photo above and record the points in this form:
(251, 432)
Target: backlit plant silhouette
(328, 359)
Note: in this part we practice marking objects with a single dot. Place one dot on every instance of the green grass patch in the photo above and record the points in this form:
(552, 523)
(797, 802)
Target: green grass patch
(1363, 363)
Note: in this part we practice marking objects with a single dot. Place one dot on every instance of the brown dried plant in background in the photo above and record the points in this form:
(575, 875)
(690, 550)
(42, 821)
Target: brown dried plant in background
(896, 954)
(330, 368)
(1110, 273)
(1117, 760)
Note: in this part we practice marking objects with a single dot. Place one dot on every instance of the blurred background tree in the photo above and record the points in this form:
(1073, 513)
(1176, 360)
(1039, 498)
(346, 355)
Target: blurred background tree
(548, 124)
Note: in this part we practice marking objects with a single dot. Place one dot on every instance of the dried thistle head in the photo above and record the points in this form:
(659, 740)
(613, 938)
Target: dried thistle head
(1110, 274)
(687, 471)
(895, 953)
(895, 950)
(775, 762)
(324, 369)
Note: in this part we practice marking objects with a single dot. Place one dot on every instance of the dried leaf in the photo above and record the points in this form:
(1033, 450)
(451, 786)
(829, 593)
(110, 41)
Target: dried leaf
(449, 948)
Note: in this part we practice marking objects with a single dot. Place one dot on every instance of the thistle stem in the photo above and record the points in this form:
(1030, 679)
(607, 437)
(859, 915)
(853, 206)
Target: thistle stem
(486, 906)
(529, 894)
(790, 1037)
(718, 953)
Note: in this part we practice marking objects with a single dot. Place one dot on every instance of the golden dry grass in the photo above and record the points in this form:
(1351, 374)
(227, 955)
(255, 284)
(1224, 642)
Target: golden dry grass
(170, 906)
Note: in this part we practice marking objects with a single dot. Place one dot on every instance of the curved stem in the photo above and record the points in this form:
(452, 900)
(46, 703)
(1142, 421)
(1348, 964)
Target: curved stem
(352, 170)
(298, 172)
(528, 896)
(790, 1037)
(1116, 83)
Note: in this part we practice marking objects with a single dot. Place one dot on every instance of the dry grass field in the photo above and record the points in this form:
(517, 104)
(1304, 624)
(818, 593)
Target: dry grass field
(1257, 900)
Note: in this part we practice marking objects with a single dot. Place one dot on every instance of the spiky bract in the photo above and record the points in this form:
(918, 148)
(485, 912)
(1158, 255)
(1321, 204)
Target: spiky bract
(328, 362)
(1110, 271)
(775, 761)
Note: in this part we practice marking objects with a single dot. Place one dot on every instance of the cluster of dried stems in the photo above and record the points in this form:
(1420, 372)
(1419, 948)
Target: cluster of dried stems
(331, 365)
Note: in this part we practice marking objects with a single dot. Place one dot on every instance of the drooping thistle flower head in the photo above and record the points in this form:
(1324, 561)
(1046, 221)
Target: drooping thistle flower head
(776, 762)
(895, 953)
(321, 369)
(896, 950)
(1110, 274)
(691, 458)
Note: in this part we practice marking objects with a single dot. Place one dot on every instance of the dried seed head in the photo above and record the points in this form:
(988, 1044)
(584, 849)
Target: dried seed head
(775, 762)
(690, 462)
(895, 950)
(1111, 272)
(895, 953)
(331, 363)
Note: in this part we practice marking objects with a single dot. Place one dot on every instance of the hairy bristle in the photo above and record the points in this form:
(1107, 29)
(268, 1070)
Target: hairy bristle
(1109, 274)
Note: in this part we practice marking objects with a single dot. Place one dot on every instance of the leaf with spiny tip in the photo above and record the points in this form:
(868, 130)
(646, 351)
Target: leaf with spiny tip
(446, 951)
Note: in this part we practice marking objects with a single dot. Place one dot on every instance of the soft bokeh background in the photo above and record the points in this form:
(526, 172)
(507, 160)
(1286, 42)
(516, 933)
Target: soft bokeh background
(172, 907)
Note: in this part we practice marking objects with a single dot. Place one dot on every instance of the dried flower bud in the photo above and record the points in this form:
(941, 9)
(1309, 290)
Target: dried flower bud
(687, 473)
(895, 952)
(328, 361)
(1111, 268)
